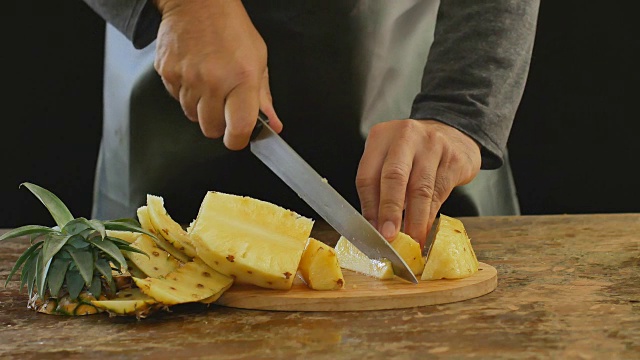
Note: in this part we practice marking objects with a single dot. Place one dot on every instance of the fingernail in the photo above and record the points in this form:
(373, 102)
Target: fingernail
(388, 230)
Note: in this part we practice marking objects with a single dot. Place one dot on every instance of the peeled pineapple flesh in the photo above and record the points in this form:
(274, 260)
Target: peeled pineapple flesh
(319, 267)
(145, 222)
(251, 240)
(192, 282)
(451, 255)
(167, 227)
(129, 302)
(349, 257)
(409, 250)
(157, 264)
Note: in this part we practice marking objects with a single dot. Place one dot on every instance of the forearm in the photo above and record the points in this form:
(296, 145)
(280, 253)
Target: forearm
(138, 20)
(477, 69)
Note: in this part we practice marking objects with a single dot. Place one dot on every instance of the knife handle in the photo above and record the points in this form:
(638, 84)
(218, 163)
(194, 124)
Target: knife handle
(262, 120)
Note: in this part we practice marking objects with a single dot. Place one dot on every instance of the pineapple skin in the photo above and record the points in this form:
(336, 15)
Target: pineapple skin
(319, 267)
(349, 257)
(409, 250)
(451, 255)
(64, 305)
(193, 282)
(253, 241)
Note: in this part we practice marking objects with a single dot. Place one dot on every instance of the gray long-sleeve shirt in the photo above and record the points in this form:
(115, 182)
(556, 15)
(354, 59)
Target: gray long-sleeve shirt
(475, 72)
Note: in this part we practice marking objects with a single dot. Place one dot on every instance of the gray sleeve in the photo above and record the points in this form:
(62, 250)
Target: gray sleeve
(138, 20)
(477, 68)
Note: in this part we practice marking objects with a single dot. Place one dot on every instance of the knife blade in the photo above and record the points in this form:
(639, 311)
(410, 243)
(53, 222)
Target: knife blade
(430, 238)
(283, 160)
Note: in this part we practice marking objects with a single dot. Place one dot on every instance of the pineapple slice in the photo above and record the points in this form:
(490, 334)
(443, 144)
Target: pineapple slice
(319, 267)
(167, 227)
(353, 259)
(145, 222)
(451, 255)
(158, 263)
(253, 241)
(193, 282)
(409, 250)
(129, 302)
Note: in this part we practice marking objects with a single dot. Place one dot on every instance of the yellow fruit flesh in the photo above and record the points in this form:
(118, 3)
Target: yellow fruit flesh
(192, 282)
(451, 255)
(127, 236)
(157, 264)
(409, 250)
(145, 223)
(128, 302)
(167, 227)
(253, 241)
(349, 257)
(319, 267)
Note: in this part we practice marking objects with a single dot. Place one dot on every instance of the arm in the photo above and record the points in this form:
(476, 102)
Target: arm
(138, 20)
(460, 121)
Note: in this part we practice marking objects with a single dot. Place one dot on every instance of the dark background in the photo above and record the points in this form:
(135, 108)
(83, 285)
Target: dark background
(573, 148)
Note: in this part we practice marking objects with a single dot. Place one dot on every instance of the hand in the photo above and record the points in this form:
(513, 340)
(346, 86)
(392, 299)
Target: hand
(412, 165)
(211, 58)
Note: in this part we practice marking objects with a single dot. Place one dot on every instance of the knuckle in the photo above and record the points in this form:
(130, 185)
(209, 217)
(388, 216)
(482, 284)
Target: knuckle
(391, 206)
(395, 172)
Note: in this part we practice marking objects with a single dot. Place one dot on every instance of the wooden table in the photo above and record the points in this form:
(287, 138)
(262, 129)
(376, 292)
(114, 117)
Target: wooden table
(568, 288)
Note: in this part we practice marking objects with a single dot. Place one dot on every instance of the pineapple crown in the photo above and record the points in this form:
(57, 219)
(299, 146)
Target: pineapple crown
(77, 252)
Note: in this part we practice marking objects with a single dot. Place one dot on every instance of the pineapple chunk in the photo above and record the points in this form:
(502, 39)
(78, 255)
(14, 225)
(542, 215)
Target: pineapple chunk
(251, 240)
(451, 255)
(145, 222)
(409, 250)
(319, 267)
(353, 259)
(159, 263)
(193, 282)
(167, 227)
(127, 303)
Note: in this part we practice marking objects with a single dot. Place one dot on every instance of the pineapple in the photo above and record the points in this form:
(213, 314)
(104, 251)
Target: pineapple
(167, 227)
(145, 222)
(253, 241)
(72, 263)
(409, 250)
(129, 302)
(451, 255)
(353, 259)
(128, 236)
(192, 282)
(155, 263)
(319, 267)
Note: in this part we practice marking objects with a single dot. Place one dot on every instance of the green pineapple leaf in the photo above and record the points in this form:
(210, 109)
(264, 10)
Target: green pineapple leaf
(110, 249)
(83, 260)
(74, 282)
(96, 286)
(53, 242)
(32, 270)
(22, 259)
(56, 277)
(127, 225)
(104, 268)
(27, 269)
(41, 274)
(33, 230)
(56, 207)
(77, 226)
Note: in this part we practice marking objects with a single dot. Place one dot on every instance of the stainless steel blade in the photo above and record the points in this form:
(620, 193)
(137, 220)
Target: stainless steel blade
(274, 152)
(430, 238)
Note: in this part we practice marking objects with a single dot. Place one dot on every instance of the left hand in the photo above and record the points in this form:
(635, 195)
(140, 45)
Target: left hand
(412, 165)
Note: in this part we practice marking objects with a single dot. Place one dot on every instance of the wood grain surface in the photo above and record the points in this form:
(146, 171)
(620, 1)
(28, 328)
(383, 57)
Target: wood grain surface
(363, 292)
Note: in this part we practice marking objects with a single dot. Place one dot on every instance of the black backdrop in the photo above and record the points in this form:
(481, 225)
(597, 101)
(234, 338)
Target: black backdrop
(573, 146)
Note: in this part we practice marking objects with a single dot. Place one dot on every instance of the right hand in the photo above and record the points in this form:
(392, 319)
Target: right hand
(212, 59)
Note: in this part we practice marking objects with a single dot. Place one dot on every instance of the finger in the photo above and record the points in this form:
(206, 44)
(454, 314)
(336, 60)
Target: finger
(189, 101)
(211, 116)
(393, 186)
(266, 104)
(420, 192)
(172, 89)
(241, 113)
(368, 175)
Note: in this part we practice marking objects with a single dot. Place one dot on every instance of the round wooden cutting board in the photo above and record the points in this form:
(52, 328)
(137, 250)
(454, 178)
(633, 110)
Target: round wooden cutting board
(363, 293)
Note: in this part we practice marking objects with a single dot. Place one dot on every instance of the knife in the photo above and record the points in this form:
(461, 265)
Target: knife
(278, 156)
